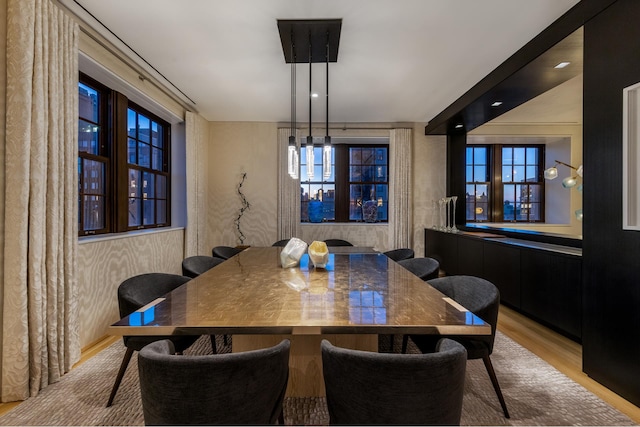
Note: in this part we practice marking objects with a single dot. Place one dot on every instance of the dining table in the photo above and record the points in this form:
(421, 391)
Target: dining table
(358, 295)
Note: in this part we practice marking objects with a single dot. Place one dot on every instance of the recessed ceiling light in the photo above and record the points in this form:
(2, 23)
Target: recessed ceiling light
(458, 126)
(562, 65)
(314, 95)
(496, 104)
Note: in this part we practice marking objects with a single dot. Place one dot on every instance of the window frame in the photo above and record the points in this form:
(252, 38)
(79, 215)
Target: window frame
(342, 182)
(496, 185)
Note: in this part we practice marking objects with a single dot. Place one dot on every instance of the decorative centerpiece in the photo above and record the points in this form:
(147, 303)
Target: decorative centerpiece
(319, 254)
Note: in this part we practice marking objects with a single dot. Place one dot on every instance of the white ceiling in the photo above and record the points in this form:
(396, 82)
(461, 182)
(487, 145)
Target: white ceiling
(398, 60)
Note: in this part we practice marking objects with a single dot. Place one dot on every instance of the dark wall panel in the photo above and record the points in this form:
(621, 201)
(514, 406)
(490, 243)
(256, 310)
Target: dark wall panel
(611, 324)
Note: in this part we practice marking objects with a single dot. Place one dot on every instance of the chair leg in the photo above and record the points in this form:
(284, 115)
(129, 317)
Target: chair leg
(123, 368)
(405, 341)
(494, 381)
(213, 344)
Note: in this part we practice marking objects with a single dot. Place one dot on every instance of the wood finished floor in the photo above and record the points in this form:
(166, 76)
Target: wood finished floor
(560, 352)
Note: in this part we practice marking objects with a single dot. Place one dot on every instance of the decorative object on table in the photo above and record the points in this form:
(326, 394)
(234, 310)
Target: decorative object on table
(441, 219)
(318, 254)
(447, 202)
(370, 211)
(568, 182)
(245, 206)
(315, 211)
(454, 229)
(292, 252)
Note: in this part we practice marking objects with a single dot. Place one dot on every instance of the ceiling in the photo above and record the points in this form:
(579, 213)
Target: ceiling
(398, 60)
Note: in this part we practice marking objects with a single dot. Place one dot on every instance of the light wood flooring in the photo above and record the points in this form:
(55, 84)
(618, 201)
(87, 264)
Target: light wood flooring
(560, 352)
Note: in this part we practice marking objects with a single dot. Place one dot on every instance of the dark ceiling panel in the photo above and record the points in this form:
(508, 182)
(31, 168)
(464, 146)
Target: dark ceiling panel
(309, 32)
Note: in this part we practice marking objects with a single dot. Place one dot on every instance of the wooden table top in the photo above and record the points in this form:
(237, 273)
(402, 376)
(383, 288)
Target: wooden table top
(358, 293)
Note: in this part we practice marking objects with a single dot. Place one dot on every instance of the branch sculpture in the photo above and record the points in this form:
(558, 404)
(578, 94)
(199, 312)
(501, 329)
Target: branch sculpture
(245, 206)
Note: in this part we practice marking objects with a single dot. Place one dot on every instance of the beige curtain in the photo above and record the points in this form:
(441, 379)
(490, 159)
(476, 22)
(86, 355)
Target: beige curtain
(196, 139)
(40, 337)
(400, 191)
(288, 192)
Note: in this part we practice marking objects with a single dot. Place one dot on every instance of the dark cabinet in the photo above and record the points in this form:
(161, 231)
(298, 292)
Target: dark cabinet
(543, 281)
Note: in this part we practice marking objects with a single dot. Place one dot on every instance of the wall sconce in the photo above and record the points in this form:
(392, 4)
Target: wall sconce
(568, 182)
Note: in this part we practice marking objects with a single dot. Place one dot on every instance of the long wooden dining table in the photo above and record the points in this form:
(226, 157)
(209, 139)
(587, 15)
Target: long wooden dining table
(357, 296)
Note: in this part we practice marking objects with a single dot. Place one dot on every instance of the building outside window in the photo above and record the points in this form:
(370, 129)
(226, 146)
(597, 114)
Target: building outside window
(123, 163)
(356, 191)
(504, 183)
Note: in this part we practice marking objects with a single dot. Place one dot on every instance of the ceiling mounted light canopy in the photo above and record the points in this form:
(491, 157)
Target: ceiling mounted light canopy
(309, 41)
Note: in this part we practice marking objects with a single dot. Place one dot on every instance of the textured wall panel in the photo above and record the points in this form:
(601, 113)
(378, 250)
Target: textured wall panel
(104, 264)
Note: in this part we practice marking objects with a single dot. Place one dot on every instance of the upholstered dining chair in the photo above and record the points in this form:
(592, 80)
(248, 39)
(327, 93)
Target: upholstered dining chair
(194, 266)
(134, 293)
(282, 242)
(225, 252)
(368, 388)
(337, 242)
(482, 298)
(400, 254)
(233, 388)
(425, 268)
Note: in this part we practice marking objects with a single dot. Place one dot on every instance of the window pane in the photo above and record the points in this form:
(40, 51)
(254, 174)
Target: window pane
(532, 155)
(88, 137)
(144, 128)
(161, 211)
(469, 173)
(93, 213)
(156, 135)
(144, 154)
(355, 173)
(161, 187)
(381, 173)
(355, 156)
(148, 187)
(368, 156)
(149, 212)
(507, 156)
(135, 184)
(93, 177)
(518, 156)
(480, 155)
(135, 212)
(480, 174)
(507, 174)
(88, 103)
(509, 203)
(381, 156)
(482, 212)
(131, 123)
(132, 151)
(368, 173)
(157, 159)
(532, 173)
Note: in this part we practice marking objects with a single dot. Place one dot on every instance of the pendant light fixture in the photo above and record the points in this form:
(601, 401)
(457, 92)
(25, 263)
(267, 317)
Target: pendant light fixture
(293, 161)
(308, 40)
(326, 149)
(310, 156)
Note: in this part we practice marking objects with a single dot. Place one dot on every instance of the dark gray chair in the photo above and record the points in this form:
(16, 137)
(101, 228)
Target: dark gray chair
(137, 292)
(225, 252)
(282, 242)
(233, 388)
(194, 266)
(400, 254)
(337, 242)
(425, 268)
(482, 298)
(368, 388)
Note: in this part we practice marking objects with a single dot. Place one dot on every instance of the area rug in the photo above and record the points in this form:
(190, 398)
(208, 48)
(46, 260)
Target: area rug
(535, 393)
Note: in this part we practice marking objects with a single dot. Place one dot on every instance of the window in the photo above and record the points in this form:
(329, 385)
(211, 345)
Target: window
(356, 191)
(512, 191)
(123, 163)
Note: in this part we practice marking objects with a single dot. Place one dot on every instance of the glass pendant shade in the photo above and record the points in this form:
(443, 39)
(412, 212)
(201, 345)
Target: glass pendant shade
(326, 158)
(310, 157)
(579, 215)
(292, 158)
(551, 173)
(569, 182)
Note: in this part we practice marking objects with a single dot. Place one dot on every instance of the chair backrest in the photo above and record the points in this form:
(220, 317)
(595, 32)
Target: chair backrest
(194, 266)
(389, 388)
(425, 268)
(337, 242)
(232, 388)
(138, 291)
(224, 252)
(400, 254)
(477, 295)
(282, 242)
